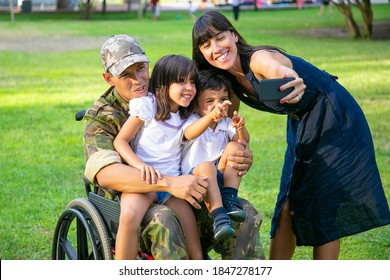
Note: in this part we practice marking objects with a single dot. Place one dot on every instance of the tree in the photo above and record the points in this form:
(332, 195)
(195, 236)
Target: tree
(368, 16)
(11, 10)
(86, 7)
(61, 4)
(345, 7)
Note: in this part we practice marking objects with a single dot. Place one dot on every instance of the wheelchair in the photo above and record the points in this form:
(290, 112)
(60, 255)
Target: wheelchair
(87, 229)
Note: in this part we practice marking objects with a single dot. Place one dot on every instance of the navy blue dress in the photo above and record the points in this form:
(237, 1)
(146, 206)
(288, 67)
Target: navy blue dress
(330, 173)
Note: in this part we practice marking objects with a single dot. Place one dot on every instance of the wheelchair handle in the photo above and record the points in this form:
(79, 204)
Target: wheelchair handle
(80, 115)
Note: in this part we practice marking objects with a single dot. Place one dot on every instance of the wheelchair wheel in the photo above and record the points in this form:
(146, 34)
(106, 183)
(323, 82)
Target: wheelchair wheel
(81, 234)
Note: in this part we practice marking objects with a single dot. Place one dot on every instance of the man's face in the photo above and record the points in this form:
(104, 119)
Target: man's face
(132, 83)
(207, 100)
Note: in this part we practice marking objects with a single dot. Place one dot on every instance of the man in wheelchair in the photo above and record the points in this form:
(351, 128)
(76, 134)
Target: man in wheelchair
(126, 70)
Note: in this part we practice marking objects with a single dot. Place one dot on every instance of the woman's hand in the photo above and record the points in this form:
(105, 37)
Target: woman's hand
(242, 159)
(296, 95)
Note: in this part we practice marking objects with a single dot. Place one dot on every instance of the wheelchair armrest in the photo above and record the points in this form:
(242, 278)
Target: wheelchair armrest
(100, 190)
(85, 179)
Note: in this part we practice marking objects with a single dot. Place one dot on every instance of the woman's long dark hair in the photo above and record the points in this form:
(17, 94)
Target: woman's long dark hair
(207, 26)
(171, 69)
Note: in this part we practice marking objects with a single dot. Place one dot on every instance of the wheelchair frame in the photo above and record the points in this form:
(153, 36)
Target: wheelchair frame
(87, 229)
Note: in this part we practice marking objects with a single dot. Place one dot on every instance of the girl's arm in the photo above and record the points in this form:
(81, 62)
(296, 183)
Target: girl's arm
(123, 139)
(268, 65)
(122, 146)
(198, 127)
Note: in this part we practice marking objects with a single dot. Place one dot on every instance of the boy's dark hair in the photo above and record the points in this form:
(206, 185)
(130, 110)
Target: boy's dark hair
(171, 69)
(212, 80)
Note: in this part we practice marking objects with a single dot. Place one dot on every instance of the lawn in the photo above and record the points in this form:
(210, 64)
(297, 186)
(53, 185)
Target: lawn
(50, 69)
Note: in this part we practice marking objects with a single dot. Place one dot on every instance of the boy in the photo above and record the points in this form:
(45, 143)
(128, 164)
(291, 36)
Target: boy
(213, 136)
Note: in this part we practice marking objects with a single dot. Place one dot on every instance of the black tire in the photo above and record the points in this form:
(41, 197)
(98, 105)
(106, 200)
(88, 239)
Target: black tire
(81, 234)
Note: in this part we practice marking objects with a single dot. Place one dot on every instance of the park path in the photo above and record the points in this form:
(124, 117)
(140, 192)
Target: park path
(37, 43)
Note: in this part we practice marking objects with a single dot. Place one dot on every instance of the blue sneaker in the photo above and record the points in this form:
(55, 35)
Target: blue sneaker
(234, 209)
(223, 228)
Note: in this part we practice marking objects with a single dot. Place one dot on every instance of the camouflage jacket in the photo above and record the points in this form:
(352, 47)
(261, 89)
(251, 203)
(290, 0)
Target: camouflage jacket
(103, 122)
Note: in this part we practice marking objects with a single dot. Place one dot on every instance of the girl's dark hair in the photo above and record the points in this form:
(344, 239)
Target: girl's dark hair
(208, 26)
(171, 69)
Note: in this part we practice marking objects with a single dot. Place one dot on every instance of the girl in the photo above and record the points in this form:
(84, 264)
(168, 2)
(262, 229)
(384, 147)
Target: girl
(330, 185)
(154, 130)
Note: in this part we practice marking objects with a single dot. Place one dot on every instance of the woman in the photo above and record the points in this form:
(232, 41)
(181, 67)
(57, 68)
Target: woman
(330, 186)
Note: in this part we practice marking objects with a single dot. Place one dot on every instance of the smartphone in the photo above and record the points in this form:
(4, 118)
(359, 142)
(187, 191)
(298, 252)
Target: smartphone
(270, 89)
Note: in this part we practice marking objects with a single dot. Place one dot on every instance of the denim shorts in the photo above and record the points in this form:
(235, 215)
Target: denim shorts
(162, 197)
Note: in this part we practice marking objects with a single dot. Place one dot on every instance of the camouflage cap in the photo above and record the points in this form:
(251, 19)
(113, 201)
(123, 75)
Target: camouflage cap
(120, 52)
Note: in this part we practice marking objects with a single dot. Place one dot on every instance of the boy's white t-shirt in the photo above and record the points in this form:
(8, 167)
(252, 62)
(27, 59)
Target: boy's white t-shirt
(157, 143)
(207, 147)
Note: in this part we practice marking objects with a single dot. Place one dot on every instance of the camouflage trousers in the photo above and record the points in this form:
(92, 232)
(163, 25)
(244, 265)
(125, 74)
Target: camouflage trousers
(162, 235)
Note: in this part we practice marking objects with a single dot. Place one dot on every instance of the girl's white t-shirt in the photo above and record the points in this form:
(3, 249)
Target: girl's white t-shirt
(157, 143)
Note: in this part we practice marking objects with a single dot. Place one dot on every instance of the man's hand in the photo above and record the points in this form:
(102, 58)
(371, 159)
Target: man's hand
(188, 187)
(242, 159)
(124, 178)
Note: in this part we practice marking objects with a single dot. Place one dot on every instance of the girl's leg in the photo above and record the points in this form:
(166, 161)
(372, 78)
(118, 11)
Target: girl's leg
(283, 244)
(328, 251)
(222, 223)
(231, 183)
(187, 220)
(133, 209)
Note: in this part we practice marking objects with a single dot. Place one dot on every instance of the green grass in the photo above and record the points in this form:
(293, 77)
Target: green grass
(42, 159)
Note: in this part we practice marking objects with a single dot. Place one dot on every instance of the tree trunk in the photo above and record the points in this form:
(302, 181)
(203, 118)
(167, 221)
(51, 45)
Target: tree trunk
(61, 4)
(86, 9)
(104, 7)
(128, 5)
(345, 8)
(11, 10)
(142, 7)
(367, 15)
